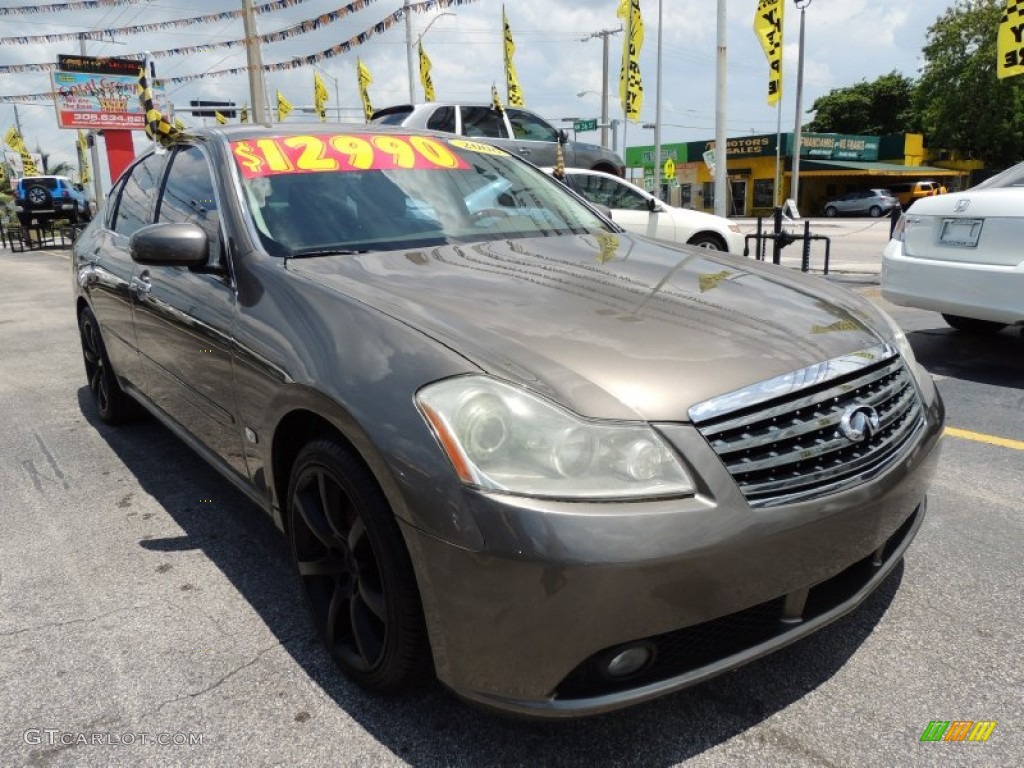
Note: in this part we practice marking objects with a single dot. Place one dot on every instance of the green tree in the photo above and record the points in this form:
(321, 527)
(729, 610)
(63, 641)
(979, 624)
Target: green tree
(960, 101)
(880, 107)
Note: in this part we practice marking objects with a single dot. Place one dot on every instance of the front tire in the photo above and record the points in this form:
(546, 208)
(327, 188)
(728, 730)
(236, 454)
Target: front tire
(973, 324)
(354, 569)
(112, 404)
(831, 212)
(875, 211)
(707, 241)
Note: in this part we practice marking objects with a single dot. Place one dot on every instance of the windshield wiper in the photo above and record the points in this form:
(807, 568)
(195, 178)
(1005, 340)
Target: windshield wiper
(307, 252)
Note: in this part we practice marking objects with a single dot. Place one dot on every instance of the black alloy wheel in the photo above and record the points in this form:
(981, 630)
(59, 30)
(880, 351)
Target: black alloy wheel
(354, 569)
(113, 405)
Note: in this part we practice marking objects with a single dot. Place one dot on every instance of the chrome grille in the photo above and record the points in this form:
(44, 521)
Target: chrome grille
(782, 440)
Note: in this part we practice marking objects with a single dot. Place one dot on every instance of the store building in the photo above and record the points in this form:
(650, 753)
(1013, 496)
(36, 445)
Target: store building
(831, 164)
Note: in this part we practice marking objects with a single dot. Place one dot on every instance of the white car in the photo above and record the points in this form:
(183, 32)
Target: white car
(962, 254)
(638, 211)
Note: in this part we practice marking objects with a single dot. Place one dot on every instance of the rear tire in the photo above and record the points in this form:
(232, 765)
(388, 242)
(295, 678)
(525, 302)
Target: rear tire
(831, 212)
(355, 570)
(973, 324)
(875, 211)
(112, 403)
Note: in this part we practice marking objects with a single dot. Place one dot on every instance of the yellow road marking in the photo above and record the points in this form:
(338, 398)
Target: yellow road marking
(1003, 442)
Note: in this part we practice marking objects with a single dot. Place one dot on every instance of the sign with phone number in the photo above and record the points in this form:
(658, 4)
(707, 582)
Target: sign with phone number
(342, 152)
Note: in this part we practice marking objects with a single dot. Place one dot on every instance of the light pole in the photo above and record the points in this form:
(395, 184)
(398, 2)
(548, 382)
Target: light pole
(604, 34)
(657, 115)
(419, 39)
(795, 184)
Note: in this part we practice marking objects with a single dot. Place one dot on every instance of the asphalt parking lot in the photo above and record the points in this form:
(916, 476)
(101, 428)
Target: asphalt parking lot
(149, 614)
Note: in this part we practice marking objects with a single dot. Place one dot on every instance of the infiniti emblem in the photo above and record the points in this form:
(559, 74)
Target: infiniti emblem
(961, 205)
(859, 423)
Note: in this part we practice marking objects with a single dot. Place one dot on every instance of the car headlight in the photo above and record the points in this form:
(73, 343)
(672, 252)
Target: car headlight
(502, 438)
(899, 339)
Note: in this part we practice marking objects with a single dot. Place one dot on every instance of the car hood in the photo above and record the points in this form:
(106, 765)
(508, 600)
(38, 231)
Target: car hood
(609, 325)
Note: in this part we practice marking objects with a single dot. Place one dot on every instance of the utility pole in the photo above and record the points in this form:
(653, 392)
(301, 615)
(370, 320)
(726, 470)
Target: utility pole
(721, 137)
(408, 50)
(604, 34)
(797, 129)
(657, 116)
(254, 59)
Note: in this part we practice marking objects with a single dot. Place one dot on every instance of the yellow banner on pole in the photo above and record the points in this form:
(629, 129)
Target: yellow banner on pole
(631, 89)
(425, 80)
(365, 79)
(768, 27)
(284, 107)
(514, 92)
(319, 96)
(83, 159)
(1010, 40)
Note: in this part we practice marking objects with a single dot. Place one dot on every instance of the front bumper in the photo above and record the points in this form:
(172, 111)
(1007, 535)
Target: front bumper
(517, 625)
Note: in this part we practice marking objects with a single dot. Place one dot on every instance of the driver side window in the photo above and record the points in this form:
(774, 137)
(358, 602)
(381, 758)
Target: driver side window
(188, 196)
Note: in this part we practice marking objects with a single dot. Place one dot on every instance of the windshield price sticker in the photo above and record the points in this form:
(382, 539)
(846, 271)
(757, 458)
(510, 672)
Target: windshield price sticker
(342, 152)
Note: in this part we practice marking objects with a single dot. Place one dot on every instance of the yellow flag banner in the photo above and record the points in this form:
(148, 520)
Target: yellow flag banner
(631, 89)
(768, 28)
(365, 80)
(178, 124)
(425, 79)
(83, 159)
(243, 116)
(515, 93)
(1010, 40)
(284, 107)
(496, 99)
(319, 96)
(221, 120)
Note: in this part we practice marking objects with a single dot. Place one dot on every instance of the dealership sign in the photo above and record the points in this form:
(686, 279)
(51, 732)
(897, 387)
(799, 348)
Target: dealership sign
(837, 146)
(98, 101)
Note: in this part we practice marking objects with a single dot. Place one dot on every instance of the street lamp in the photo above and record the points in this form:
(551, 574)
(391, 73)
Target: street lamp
(795, 184)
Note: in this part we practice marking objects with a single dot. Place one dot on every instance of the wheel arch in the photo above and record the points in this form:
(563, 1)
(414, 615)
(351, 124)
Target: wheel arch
(705, 236)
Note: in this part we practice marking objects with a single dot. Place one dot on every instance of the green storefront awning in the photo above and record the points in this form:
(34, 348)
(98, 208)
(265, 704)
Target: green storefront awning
(875, 169)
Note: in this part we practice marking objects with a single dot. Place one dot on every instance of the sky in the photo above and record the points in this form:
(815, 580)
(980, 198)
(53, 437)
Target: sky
(846, 41)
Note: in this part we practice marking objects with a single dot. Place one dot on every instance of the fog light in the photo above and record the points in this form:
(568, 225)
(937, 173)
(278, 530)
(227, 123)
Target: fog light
(627, 661)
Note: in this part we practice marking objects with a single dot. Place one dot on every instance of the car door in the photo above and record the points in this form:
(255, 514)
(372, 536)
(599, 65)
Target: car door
(106, 269)
(184, 317)
(630, 207)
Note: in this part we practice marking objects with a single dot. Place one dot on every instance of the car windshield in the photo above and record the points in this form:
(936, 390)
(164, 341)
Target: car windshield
(1012, 177)
(340, 193)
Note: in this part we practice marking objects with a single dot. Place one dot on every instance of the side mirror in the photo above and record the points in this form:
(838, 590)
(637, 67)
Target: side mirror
(654, 205)
(563, 136)
(170, 245)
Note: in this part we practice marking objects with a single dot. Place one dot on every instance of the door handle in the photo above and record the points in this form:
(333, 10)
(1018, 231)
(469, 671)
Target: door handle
(524, 151)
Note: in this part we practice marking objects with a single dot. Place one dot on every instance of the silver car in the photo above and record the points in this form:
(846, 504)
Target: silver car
(562, 467)
(514, 129)
(873, 202)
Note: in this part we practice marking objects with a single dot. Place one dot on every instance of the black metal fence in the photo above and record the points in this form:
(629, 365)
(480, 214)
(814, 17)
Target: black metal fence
(38, 236)
(780, 238)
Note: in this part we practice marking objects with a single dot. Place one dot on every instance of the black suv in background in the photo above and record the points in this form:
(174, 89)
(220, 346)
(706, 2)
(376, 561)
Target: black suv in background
(45, 198)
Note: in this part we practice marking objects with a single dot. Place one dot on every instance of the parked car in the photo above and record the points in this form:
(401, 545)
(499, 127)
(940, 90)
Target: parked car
(638, 211)
(47, 198)
(873, 202)
(906, 192)
(512, 128)
(563, 467)
(960, 254)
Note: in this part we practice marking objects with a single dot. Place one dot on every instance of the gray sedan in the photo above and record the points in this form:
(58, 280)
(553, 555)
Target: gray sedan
(872, 202)
(560, 467)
